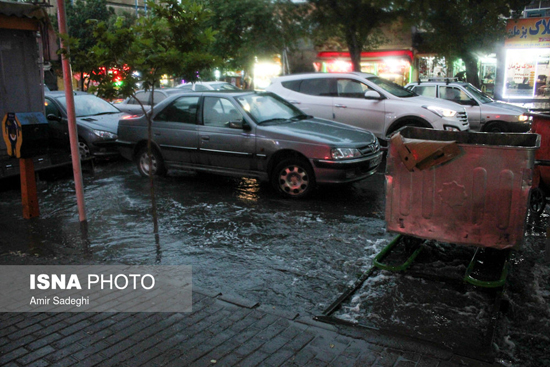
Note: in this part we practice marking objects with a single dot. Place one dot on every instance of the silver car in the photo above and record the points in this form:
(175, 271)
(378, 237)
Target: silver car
(250, 134)
(367, 101)
(484, 113)
(131, 104)
(206, 86)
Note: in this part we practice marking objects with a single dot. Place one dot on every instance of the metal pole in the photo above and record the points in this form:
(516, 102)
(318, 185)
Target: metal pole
(73, 135)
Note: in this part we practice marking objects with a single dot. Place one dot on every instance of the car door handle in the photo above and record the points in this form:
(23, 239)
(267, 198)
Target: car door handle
(295, 102)
(205, 137)
(340, 106)
(157, 134)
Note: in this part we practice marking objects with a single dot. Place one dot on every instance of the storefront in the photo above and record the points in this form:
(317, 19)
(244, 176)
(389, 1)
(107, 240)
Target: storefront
(394, 65)
(527, 56)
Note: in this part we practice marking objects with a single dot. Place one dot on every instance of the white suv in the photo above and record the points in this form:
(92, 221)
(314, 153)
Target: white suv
(367, 101)
(484, 113)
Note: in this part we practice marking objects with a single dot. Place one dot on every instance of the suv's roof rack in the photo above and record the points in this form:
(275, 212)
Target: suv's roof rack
(443, 79)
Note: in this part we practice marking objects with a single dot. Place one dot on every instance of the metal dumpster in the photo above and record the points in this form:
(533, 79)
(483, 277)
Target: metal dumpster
(541, 176)
(478, 197)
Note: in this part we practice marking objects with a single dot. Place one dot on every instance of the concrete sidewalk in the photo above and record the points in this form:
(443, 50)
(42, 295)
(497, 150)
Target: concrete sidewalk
(220, 331)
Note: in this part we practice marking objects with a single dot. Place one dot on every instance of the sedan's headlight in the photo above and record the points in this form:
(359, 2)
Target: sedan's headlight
(441, 112)
(344, 153)
(105, 134)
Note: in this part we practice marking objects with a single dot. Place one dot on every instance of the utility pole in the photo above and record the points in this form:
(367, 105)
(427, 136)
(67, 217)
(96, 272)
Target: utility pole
(73, 134)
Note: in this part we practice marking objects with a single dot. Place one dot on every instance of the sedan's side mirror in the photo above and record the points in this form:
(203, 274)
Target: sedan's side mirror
(371, 94)
(53, 117)
(239, 124)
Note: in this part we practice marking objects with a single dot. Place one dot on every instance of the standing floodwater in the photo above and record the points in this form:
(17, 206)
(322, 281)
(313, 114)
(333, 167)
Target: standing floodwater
(241, 238)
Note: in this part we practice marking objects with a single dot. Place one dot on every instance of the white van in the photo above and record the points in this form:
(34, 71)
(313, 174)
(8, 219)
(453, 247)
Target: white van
(367, 101)
(484, 114)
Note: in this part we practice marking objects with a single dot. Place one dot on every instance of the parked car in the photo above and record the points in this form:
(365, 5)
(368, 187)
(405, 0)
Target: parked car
(206, 86)
(367, 101)
(132, 106)
(484, 113)
(96, 120)
(250, 134)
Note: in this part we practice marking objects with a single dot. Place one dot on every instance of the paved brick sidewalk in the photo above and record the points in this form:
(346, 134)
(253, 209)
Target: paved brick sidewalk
(220, 331)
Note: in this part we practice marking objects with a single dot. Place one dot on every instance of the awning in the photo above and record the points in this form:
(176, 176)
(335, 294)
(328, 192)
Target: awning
(368, 55)
(30, 17)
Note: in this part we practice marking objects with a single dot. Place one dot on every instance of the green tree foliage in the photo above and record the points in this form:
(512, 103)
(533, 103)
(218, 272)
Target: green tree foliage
(463, 28)
(172, 39)
(252, 28)
(78, 13)
(353, 23)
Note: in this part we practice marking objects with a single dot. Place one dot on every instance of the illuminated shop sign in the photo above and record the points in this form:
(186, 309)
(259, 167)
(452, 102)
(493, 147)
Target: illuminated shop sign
(528, 32)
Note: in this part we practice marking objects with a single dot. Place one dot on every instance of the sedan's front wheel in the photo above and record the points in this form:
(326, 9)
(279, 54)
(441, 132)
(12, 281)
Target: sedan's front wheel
(156, 166)
(84, 149)
(293, 178)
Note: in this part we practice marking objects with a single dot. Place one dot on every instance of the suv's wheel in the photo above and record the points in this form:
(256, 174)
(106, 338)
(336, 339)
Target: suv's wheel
(84, 149)
(494, 127)
(393, 129)
(293, 178)
(157, 165)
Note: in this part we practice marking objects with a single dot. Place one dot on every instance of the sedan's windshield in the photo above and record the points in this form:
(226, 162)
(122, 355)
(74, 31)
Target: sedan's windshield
(391, 87)
(89, 105)
(479, 95)
(264, 107)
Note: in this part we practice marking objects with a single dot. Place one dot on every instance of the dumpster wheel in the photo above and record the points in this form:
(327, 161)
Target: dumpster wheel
(537, 200)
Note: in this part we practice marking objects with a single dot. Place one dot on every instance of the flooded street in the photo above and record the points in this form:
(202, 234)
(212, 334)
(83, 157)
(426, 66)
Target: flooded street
(241, 238)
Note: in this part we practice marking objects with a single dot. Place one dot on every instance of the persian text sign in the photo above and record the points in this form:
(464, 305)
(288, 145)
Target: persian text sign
(95, 288)
(528, 32)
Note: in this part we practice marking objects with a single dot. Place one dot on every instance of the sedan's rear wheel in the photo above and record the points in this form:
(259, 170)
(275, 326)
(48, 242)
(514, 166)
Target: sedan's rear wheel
(293, 178)
(156, 167)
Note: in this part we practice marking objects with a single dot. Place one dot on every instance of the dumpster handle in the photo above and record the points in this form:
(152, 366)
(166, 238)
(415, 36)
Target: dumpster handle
(487, 283)
(386, 251)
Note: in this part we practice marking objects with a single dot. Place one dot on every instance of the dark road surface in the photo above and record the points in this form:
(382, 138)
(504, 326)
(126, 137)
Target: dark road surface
(240, 237)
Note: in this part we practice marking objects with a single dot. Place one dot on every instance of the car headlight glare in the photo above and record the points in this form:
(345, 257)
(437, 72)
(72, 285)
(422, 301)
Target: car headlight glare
(105, 134)
(345, 153)
(441, 112)
(523, 118)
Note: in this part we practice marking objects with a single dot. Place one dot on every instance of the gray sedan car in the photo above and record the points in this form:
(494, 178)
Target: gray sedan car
(96, 120)
(250, 134)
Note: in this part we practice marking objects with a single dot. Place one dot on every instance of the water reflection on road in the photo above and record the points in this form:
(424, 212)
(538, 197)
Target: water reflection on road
(239, 236)
(243, 239)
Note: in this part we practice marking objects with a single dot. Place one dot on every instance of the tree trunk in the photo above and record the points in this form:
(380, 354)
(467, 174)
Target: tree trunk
(355, 47)
(472, 75)
(151, 176)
